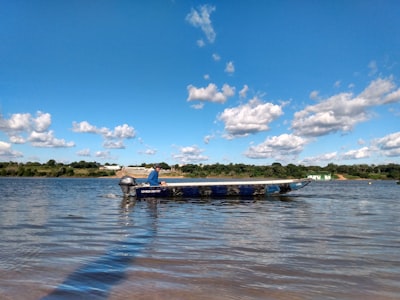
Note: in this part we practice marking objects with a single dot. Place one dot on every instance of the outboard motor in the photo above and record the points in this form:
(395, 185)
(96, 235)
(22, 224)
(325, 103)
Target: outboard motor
(127, 183)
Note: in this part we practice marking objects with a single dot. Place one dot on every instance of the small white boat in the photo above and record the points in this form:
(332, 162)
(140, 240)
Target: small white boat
(211, 189)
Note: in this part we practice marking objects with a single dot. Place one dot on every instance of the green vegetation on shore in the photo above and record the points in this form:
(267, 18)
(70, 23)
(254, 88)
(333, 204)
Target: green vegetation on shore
(276, 170)
(53, 169)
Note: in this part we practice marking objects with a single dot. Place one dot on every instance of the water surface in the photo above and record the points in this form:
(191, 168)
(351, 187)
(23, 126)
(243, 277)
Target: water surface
(72, 238)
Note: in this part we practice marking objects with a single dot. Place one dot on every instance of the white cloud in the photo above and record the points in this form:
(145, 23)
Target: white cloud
(389, 145)
(278, 147)
(341, 112)
(200, 43)
(7, 153)
(210, 93)
(230, 68)
(361, 142)
(103, 154)
(111, 144)
(42, 122)
(216, 57)
(23, 127)
(17, 139)
(124, 132)
(314, 95)
(208, 138)
(392, 97)
(190, 154)
(249, 118)
(198, 105)
(16, 123)
(323, 158)
(120, 131)
(150, 151)
(84, 126)
(364, 152)
(228, 90)
(201, 18)
(47, 140)
(25, 122)
(83, 152)
(243, 91)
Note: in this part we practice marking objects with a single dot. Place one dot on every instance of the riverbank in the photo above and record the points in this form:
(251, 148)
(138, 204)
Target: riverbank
(340, 177)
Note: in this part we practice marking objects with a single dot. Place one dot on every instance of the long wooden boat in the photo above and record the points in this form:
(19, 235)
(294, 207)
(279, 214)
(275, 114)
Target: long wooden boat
(211, 189)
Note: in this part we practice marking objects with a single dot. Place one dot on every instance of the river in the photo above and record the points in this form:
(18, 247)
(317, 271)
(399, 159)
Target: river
(78, 238)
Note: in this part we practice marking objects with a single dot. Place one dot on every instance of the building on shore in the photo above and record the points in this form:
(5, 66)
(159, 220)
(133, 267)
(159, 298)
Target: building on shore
(111, 168)
(322, 175)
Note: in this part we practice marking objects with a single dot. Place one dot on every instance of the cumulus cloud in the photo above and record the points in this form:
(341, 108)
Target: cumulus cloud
(42, 122)
(23, 127)
(249, 118)
(149, 151)
(113, 138)
(216, 57)
(25, 122)
(341, 112)
(389, 145)
(243, 91)
(230, 68)
(210, 93)
(85, 127)
(200, 43)
(47, 140)
(190, 154)
(83, 152)
(363, 152)
(278, 147)
(7, 153)
(314, 95)
(109, 144)
(103, 154)
(208, 138)
(123, 132)
(17, 139)
(201, 19)
(323, 158)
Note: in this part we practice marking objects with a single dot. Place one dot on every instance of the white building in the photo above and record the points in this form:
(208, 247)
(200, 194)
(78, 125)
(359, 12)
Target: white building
(111, 168)
(320, 176)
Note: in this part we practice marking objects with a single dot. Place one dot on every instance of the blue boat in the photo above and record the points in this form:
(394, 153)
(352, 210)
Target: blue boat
(211, 189)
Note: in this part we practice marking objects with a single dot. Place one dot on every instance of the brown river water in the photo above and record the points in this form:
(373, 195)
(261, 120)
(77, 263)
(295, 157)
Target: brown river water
(79, 239)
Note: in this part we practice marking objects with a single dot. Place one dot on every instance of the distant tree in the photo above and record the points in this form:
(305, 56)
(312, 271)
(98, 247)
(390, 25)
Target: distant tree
(51, 163)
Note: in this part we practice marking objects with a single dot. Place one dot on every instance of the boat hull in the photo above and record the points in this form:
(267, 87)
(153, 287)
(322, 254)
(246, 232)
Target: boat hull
(215, 189)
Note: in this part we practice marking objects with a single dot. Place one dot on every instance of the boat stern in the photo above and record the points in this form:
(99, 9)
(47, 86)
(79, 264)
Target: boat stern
(127, 184)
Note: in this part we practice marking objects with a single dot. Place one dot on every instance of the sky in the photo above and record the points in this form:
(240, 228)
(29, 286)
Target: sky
(202, 82)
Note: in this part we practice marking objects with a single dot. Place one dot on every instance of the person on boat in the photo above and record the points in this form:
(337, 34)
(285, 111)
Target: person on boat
(152, 179)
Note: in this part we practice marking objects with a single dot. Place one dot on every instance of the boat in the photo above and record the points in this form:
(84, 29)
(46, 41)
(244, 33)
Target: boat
(211, 189)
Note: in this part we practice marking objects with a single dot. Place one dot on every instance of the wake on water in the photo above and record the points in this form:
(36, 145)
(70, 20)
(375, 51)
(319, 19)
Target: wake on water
(111, 196)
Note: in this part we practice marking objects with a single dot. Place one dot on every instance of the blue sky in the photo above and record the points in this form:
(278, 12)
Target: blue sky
(254, 82)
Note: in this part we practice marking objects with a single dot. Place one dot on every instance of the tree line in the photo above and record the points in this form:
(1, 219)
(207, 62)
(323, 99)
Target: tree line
(275, 170)
(53, 169)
